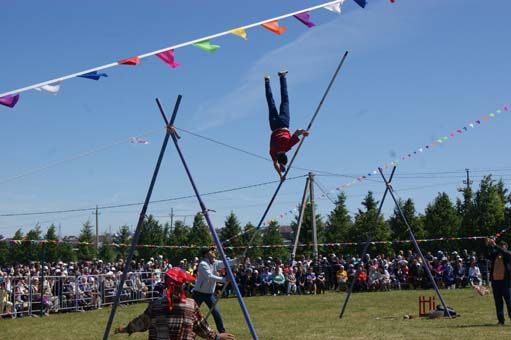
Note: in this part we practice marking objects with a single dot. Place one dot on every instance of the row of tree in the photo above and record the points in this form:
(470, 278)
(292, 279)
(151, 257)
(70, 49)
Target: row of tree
(483, 213)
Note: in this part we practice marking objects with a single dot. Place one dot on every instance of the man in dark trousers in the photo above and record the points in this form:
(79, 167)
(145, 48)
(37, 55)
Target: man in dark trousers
(207, 278)
(500, 274)
(281, 140)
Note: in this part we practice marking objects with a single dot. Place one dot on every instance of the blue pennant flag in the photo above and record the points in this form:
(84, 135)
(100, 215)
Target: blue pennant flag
(361, 3)
(94, 75)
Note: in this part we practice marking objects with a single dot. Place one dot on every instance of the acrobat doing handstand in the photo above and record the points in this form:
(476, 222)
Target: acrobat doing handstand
(281, 140)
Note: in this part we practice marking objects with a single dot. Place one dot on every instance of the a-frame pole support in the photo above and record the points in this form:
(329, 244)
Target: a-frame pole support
(300, 218)
(205, 212)
(138, 230)
(366, 246)
(414, 241)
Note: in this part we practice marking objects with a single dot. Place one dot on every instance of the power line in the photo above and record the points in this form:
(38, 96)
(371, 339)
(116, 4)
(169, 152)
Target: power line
(140, 203)
(215, 141)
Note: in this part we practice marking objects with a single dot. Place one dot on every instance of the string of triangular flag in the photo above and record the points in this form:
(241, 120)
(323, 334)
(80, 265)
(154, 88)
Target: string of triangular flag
(331, 244)
(417, 151)
(167, 55)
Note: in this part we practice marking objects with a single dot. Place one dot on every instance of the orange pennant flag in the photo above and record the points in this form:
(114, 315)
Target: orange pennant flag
(274, 27)
(130, 61)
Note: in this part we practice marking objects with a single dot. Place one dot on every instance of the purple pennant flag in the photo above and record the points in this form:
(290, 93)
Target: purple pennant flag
(304, 18)
(9, 101)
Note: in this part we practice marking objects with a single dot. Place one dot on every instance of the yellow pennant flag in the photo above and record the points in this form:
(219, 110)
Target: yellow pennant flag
(240, 32)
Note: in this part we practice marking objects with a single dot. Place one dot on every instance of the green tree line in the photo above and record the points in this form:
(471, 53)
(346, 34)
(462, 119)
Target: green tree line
(483, 212)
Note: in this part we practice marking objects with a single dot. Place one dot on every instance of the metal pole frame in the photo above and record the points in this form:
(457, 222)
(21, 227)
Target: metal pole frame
(366, 245)
(205, 212)
(300, 217)
(414, 241)
(138, 230)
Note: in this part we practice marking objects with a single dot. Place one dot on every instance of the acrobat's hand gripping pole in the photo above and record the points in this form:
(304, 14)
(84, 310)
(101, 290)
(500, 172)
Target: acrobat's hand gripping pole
(205, 212)
(414, 241)
(366, 244)
(294, 155)
(136, 236)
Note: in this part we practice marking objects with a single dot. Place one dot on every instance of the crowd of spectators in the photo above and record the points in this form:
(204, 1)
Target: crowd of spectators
(375, 273)
(92, 284)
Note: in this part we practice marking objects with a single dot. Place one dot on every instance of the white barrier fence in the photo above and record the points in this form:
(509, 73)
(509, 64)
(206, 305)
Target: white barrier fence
(28, 296)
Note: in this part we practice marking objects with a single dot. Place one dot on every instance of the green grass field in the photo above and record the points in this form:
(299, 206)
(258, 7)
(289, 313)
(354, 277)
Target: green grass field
(369, 316)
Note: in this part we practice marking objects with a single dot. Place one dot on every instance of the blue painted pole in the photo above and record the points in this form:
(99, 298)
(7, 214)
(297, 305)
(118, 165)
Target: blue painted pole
(366, 246)
(138, 230)
(425, 263)
(218, 243)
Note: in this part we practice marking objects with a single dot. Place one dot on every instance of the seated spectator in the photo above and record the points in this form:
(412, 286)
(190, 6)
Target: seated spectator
(310, 282)
(321, 283)
(474, 274)
(460, 273)
(373, 279)
(384, 278)
(278, 281)
(361, 282)
(342, 278)
(254, 283)
(266, 282)
(300, 281)
(448, 275)
(291, 281)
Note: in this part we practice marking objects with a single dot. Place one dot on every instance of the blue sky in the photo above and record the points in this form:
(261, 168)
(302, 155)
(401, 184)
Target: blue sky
(417, 70)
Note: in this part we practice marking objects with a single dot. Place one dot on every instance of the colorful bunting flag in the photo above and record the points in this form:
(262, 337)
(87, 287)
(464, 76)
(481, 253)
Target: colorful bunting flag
(361, 3)
(94, 75)
(130, 61)
(206, 46)
(9, 101)
(305, 19)
(274, 27)
(168, 58)
(52, 88)
(138, 140)
(335, 7)
(240, 32)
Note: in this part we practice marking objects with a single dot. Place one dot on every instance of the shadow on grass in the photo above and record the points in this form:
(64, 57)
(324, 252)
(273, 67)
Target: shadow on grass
(494, 325)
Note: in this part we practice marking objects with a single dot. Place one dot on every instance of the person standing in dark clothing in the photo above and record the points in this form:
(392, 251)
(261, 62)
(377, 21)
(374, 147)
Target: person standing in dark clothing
(500, 274)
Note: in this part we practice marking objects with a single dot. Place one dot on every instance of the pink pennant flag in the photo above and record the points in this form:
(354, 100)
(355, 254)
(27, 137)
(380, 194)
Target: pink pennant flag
(304, 18)
(130, 61)
(168, 58)
(9, 101)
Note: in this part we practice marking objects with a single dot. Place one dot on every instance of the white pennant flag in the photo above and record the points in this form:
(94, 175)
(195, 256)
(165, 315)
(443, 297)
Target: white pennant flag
(52, 88)
(335, 7)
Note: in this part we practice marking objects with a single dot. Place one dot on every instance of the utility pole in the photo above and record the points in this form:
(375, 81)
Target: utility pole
(314, 230)
(171, 219)
(468, 182)
(97, 229)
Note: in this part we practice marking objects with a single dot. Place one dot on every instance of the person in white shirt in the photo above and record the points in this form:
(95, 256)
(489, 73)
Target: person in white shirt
(207, 278)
